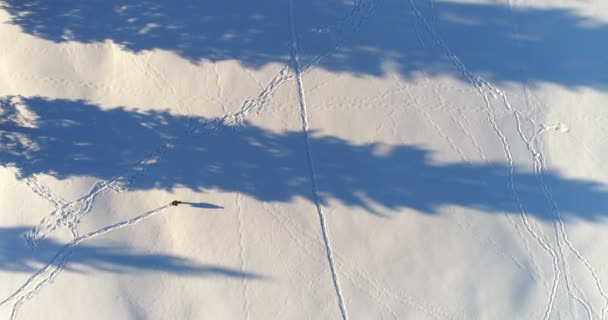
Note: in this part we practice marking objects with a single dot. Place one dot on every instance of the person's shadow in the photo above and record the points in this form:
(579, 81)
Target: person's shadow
(201, 205)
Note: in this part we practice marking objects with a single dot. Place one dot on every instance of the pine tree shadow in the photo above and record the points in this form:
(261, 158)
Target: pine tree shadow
(504, 45)
(16, 256)
(64, 139)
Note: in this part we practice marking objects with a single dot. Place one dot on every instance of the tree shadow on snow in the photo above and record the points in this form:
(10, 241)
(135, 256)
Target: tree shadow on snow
(521, 45)
(16, 256)
(64, 139)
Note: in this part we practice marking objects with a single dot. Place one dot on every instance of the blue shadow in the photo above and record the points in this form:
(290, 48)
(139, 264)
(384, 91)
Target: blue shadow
(504, 45)
(75, 139)
(201, 205)
(16, 256)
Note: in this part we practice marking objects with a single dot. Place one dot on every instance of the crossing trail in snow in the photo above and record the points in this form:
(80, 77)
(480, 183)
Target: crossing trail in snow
(489, 91)
(48, 273)
(311, 166)
(346, 77)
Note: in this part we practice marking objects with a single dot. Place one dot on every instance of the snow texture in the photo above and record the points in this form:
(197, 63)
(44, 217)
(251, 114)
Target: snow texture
(366, 159)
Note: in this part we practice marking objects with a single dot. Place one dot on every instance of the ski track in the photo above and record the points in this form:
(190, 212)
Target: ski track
(538, 171)
(69, 213)
(446, 137)
(523, 214)
(560, 225)
(354, 274)
(454, 147)
(485, 89)
(536, 270)
(539, 168)
(46, 275)
(304, 117)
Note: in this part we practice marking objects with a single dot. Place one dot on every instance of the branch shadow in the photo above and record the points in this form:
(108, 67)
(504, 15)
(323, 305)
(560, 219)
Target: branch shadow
(65, 138)
(520, 45)
(16, 256)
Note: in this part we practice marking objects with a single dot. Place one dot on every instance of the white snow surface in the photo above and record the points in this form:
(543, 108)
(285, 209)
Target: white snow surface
(365, 159)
